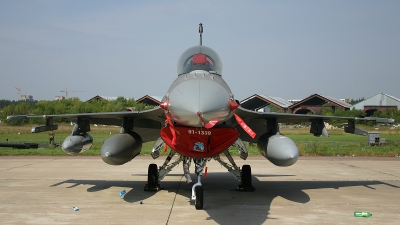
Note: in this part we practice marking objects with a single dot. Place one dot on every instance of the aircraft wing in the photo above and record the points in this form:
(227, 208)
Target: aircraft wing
(256, 121)
(146, 123)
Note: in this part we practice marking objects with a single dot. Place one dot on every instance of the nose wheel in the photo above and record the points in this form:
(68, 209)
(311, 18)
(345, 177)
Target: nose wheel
(199, 197)
(197, 193)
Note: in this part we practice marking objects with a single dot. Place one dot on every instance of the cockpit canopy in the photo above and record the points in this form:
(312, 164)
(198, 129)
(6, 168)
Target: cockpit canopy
(199, 58)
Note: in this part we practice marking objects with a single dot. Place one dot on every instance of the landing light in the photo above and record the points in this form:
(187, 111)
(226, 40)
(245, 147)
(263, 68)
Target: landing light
(165, 105)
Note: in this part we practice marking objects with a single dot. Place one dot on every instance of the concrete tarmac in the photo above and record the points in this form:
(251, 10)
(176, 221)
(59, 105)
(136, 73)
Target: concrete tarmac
(316, 190)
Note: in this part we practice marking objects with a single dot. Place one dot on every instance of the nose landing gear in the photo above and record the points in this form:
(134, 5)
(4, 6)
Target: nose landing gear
(155, 175)
(197, 189)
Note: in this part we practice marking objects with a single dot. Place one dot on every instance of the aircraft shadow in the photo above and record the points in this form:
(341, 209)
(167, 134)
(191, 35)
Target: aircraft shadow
(222, 202)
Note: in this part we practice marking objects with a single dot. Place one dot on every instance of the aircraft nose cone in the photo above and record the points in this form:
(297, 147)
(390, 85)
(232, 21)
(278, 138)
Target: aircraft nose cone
(195, 96)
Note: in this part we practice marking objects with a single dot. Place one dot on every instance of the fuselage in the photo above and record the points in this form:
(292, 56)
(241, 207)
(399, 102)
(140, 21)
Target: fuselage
(197, 102)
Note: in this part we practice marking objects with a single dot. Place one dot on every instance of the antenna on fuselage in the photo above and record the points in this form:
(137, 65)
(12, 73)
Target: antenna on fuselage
(201, 32)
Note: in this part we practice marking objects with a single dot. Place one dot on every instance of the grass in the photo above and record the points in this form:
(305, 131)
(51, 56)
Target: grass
(344, 144)
(338, 143)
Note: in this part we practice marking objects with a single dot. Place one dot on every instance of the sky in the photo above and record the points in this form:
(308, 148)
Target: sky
(282, 48)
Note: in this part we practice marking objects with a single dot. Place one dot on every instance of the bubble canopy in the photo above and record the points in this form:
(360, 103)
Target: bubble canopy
(199, 58)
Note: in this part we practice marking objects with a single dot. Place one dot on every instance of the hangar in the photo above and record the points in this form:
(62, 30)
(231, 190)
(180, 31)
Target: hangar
(147, 99)
(150, 100)
(261, 102)
(380, 101)
(316, 102)
(97, 98)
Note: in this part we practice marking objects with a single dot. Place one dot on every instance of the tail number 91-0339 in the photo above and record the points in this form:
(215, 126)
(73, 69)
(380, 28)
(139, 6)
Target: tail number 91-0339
(200, 132)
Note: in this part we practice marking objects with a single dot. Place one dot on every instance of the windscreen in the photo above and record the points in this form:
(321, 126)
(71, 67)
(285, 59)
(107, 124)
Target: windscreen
(199, 58)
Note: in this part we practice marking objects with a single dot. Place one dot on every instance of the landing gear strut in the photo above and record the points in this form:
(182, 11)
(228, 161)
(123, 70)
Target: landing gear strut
(197, 189)
(243, 176)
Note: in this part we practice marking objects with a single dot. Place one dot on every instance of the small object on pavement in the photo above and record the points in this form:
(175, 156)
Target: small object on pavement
(362, 214)
(122, 193)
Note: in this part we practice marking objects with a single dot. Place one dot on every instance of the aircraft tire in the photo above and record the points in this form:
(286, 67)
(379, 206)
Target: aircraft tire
(246, 176)
(199, 197)
(152, 176)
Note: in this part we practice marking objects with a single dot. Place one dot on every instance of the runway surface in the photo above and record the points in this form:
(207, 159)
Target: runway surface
(316, 190)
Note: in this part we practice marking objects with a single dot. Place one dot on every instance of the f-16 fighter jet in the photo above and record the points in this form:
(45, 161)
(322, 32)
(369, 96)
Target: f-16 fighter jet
(198, 120)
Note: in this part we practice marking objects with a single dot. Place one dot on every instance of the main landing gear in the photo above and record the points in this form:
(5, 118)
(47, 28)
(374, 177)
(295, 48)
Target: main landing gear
(152, 178)
(246, 184)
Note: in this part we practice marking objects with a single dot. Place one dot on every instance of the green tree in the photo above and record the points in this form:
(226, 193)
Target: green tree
(19, 109)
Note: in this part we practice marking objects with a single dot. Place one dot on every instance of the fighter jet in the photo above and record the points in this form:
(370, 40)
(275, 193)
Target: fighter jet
(198, 120)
